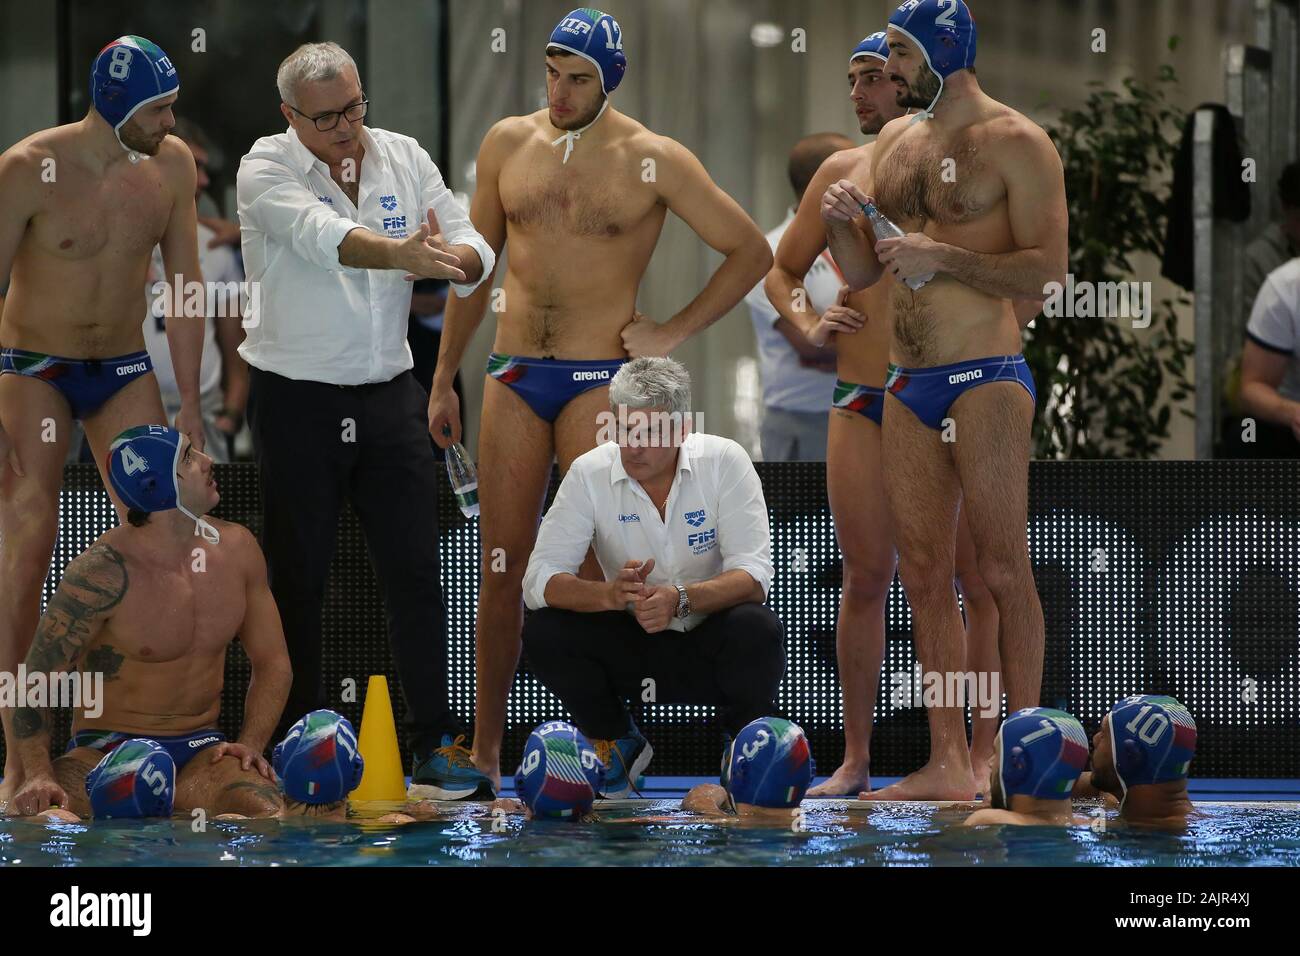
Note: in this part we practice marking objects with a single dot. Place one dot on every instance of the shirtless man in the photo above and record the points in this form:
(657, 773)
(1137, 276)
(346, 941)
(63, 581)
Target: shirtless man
(980, 191)
(580, 192)
(859, 329)
(154, 611)
(1038, 754)
(1141, 757)
(83, 209)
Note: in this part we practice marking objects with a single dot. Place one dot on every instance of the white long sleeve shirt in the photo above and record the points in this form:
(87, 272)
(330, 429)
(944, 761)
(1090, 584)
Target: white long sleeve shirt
(320, 320)
(716, 521)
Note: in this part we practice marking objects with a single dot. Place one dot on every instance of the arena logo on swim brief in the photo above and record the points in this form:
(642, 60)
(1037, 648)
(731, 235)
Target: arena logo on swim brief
(80, 690)
(970, 376)
(76, 909)
(640, 428)
(207, 300)
(132, 369)
(1099, 300)
(974, 689)
(591, 376)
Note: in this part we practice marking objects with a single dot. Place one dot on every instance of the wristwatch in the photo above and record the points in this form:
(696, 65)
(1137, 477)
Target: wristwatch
(683, 602)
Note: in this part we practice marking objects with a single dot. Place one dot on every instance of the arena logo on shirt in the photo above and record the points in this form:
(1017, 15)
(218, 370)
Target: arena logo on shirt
(702, 541)
(388, 203)
(695, 518)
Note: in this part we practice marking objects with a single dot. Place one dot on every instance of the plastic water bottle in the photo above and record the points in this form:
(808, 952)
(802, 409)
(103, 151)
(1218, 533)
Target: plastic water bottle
(884, 228)
(463, 477)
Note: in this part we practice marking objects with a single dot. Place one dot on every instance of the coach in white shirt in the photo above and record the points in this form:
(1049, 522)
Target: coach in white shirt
(680, 528)
(1270, 362)
(333, 221)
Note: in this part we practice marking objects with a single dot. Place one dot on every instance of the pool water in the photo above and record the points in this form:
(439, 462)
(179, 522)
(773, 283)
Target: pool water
(831, 833)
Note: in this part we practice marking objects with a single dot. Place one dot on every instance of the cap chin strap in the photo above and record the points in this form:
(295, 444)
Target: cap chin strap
(202, 528)
(1114, 756)
(928, 112)
(572, 136)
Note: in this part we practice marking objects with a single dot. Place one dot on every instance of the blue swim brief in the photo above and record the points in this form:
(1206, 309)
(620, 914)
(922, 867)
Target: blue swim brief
(87, 384)
(867, 400)
(182, 747)
(929, 392)
(547, 385)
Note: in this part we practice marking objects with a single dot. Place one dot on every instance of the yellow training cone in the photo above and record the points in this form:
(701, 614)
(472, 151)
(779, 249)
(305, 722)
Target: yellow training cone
(383, 778)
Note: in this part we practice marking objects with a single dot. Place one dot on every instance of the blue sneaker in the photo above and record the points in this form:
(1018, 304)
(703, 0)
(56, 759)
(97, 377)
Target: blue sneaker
(449, 774)
(624, 760)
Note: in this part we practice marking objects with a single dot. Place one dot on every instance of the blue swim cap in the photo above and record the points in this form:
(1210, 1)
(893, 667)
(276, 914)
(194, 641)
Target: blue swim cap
(945, 32)
(769, 764)
(142, 466)
(128, 73)
(560, 774)
(137, 778)
(318, 760)
(1042, 754)
(874, 45)
(594, 36)
(1153, 739)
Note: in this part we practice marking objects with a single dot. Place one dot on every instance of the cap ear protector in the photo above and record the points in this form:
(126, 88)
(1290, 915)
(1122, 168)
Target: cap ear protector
(1016, 764)
(1130, 758)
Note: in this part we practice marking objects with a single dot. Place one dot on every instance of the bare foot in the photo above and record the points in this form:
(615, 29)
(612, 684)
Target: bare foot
(397, 818)
(980, 764)
(55, 815)
(844, 782)
(8, 787)
(931, 782)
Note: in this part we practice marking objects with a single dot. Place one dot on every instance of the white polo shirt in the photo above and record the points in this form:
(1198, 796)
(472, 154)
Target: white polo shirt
(218, 265)
(716, 521)
(1275, 322)
(787, 385)
(320, 320)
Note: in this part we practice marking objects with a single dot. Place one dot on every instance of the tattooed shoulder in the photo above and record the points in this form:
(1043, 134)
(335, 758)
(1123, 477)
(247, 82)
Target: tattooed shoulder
(93, 584)
(98, 577)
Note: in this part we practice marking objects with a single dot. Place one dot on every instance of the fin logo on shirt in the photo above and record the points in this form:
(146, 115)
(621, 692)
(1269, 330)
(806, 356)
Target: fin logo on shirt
(695, 518)
(395, 226)
(388, 203)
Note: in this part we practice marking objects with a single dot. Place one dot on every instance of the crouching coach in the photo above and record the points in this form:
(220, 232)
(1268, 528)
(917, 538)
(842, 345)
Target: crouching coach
(679, 525)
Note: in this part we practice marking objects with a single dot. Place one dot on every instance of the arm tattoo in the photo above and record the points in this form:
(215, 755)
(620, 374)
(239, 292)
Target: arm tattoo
(92, 586)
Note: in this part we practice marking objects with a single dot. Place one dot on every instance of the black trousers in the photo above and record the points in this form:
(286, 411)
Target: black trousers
(734, 659)
(306, 469)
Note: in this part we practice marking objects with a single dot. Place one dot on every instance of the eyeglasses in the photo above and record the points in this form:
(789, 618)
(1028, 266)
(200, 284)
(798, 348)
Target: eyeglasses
(327, 121)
